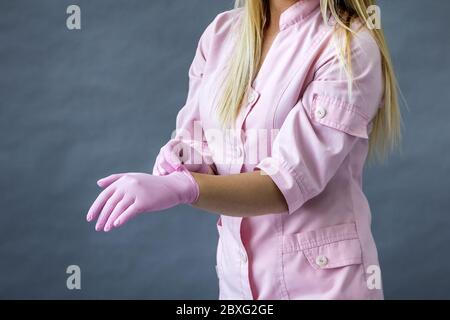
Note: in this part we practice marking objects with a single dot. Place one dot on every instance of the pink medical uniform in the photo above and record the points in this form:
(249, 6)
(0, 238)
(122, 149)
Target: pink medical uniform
(311, 131)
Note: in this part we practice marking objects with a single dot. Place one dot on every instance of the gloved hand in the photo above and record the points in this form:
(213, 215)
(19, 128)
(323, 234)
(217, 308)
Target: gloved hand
(193, 155)
(126, 195)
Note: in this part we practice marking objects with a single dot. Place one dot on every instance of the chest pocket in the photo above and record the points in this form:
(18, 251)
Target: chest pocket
(324, 262)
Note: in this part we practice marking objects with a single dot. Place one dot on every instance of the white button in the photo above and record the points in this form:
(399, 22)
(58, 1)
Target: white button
(321, 261)
(251, 97)
(243, 256)
(321, 112)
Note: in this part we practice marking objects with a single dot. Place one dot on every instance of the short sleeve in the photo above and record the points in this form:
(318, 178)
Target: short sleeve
(323, 127)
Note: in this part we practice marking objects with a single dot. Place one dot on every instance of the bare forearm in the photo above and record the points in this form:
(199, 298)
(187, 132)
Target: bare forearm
(241, 195)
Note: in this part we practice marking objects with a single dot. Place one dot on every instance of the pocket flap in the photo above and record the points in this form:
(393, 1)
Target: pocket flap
(334, 255)
(340, 115)
(327, 248)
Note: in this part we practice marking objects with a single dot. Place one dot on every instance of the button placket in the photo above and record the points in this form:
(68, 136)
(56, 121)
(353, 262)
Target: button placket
(239, 151)
(237, 144)
(252, 97)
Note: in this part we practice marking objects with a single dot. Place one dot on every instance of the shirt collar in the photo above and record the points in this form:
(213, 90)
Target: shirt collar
(297, 12)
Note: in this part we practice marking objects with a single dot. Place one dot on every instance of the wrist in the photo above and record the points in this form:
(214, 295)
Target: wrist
(187, 187)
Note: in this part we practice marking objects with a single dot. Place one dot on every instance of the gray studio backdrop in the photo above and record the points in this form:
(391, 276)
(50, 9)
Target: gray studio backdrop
(78, 105)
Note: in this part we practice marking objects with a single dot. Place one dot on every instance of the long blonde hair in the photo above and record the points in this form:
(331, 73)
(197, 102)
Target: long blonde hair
(246, 57)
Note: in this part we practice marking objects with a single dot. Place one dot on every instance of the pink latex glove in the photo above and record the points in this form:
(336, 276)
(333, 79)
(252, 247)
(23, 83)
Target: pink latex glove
(126, 195)
(191, 154)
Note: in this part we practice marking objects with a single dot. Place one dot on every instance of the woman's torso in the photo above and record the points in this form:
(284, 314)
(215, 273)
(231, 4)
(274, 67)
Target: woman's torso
(323, 250)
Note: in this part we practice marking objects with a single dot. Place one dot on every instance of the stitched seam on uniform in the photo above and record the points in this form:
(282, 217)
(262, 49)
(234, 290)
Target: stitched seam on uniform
(364, 276)
(300, 185)
(300, 179)
(305, 245)
(249, 108)
(341, 104)
(303, 184)
(298, 20)
(340, 263)
(240, 261)
(241, 280)
(279, 237)
(220, 264)
(283, 288)
(336, 125)
(340, 127)
(310, 259)
(314, 44)
(321, 59)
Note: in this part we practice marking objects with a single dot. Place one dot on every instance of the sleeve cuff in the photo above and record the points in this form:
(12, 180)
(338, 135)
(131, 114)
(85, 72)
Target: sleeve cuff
(291, 184)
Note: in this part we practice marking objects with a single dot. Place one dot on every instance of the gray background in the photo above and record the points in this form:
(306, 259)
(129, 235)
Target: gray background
(78, 105)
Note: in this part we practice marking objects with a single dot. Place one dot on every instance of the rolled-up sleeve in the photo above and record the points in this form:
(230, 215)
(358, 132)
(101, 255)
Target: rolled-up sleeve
(323, 127)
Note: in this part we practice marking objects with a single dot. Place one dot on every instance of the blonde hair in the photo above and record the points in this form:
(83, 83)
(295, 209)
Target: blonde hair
(246, 58)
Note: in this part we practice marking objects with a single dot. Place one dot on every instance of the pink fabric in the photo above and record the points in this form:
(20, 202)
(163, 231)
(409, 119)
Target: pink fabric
(312, 138)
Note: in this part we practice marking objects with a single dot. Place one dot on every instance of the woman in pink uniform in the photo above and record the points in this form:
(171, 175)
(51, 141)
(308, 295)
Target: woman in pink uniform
(286, 100)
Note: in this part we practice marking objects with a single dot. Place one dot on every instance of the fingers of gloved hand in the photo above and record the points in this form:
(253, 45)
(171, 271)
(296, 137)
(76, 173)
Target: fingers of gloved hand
(105, 182)
(173, 153)
(171, 157)
(108, 209)
(175, 150)
(161, 171)
(128, 214)
(166, 168)
(173, 144)
(123, 205)
(158, 170)
(156, 167)
(98, 204)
